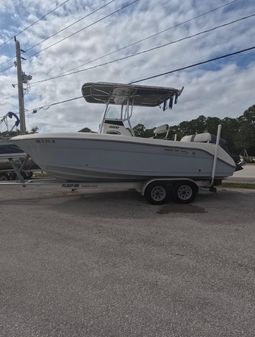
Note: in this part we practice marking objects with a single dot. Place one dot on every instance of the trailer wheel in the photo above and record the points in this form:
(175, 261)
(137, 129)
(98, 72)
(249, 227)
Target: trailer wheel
(184, 192)
(4, 177)
(27, 174)
(156, 193)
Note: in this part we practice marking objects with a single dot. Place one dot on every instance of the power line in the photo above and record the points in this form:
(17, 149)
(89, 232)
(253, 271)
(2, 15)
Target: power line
(70, 25)
(195, 64)
(55, 103)
(3, 70)
(154, 35)
(146, 50)
(6, 62)
(159, 75)
(129, 45)
(36, 21)
(94, 11)
(26, 28)
(82, 29)
(136, 42)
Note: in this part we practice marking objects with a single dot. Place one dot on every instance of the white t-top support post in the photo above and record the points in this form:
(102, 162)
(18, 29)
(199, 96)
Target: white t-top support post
(103, 119)
(216, 153)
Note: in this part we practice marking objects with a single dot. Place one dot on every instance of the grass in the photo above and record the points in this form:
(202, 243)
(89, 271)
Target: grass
(239, 185)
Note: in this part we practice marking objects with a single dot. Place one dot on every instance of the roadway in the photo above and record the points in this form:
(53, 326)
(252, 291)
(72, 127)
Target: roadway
(109, 264)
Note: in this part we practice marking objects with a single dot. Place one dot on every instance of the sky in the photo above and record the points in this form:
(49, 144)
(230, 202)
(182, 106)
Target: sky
(223, 89)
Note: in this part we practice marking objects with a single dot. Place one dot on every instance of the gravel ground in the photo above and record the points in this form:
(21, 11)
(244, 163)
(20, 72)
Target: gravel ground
(109, 264)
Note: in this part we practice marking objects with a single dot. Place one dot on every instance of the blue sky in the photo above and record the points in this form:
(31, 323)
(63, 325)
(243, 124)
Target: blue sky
(225, 88)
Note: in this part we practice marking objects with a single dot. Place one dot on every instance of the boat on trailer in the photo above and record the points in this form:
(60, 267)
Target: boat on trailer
(115, 154)
(10, 153)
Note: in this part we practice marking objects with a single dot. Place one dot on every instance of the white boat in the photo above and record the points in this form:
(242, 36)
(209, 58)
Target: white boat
(8, 150)
(114, 153)
(14, 162)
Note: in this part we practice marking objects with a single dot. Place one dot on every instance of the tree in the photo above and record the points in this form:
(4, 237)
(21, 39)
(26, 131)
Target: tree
(212, 124)
(239, 133)
(86, 130)
(35, 129)
(139, 130)
(248, 115)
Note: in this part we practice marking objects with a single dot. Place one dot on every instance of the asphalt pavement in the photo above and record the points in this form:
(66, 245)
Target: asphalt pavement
(246, 175)
(109, 264)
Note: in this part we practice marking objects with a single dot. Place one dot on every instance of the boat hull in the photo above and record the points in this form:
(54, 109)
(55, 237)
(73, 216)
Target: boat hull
(9, 150)
(113, 158)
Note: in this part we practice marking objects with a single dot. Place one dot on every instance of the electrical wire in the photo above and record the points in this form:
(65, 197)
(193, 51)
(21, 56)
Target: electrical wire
(36, 21)
(154, 35)
(7, 62)
(194, 65)
(94, 11)
(70, 25)
(82, 29)
(3, 70)
(129, 45)
(158, 75)
(76, 31)
(34, 110)
(146, 50)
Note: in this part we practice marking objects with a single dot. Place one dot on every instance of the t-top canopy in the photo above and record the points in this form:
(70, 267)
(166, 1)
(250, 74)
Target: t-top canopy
(139, 95)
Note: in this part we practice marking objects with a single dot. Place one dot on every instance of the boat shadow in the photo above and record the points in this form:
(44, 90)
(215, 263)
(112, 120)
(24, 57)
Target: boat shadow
(123, 204)
(117, 204)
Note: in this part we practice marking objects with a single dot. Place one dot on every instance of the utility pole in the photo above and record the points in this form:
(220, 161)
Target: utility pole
(20, 88)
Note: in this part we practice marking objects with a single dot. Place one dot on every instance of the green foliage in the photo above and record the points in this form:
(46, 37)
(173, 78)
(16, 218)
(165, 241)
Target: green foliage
(141, 131)
(86, 130)
(9, 134)
(239, 133)
(35, 129)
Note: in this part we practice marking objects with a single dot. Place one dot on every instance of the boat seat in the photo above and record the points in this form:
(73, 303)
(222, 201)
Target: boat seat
(205, 137)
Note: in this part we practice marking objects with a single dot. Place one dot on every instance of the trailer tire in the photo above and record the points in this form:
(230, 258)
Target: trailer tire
(157, 193)
(184, 192)
(27, 174)
(4, 177)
